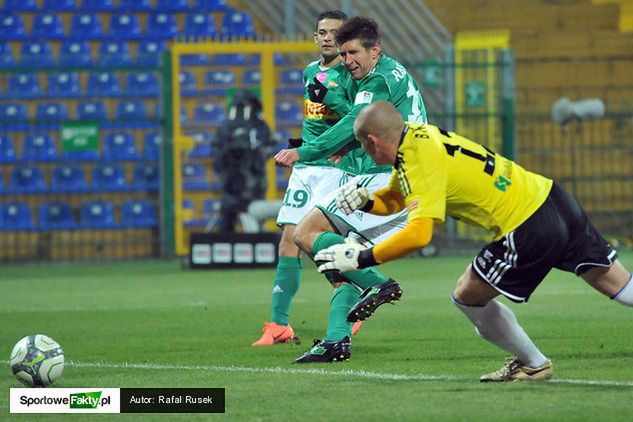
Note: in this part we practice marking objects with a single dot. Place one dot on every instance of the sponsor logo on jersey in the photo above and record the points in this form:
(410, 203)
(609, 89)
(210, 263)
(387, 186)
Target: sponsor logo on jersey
(318, 111)
(363, 97)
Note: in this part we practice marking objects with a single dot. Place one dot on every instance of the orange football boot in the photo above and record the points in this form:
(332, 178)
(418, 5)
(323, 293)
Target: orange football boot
(275, 333)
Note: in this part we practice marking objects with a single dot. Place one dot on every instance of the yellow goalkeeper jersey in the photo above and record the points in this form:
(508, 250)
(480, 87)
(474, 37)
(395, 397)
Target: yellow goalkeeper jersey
(439, 173)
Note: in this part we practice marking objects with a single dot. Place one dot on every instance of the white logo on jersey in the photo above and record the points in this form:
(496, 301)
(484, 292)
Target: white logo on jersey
(363, 97)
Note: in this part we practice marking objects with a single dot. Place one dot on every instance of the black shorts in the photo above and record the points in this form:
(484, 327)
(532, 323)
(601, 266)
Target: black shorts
(558, 235)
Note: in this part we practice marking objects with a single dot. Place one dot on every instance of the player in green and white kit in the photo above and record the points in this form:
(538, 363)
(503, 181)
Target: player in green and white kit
(373, 77)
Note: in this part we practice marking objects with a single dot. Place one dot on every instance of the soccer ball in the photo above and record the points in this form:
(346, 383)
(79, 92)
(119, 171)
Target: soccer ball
(37, 360)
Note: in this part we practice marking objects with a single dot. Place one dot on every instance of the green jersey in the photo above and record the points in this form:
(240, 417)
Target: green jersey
(388, 81)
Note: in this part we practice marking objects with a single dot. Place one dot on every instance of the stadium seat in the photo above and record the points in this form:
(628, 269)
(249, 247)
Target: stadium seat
(39, 148)
(6, 56)
(281, 175)
(290, 82)
(131, 113)
(202, 145)
(85, 26)
(220, 78)
(103, 84)
(288, 113)
(139, 214)
(237, 24)
(172, 6)
(56, 215)
(199, 25)
(119, 146)
(194, 59)
(81, 155)
(97, 214)
(20, 5)
(91, 110)
(125, 26)
(142, 83)
(24, 85)
(114, 53)
(64, 84)
(210, 212)
(36, 54)
(161, 26)
(16, 216)
(27, 179)
(68, 178)
(135, 5)
(51, 112)
(47, 26)
(211, 5)
(7, 150)
(98, 5)
(230, 59)
(146, 176)
(189, 213)
(13, 116)
(60, 5)
(209, 113)
(188, 85)
(151, 145)
(12, 27)
(194, 176)
(75, 53)
(149, 52)
(108, 177)
(252, 77)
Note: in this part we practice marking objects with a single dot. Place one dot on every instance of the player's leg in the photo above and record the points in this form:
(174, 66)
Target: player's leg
(615, 281)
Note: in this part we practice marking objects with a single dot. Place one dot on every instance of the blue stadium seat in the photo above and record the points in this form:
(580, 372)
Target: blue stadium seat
(16, 216)
(135, 5)
(119, 146)
(24, 85)
(194, 177)
(51, 112)
(47, 26)
(199, 25)
(7, 150)
(114, 53)
(202, 145)
(20, 5)
(12, 27)
(64, 84)
(172, 6)
(97, 215)
(220, 78)
(146, 176)
(87, 155)
(98, 5)
(60, 5)
(290, 82)
(108, 177)
(91, 110)
(85, 26)
(230, 59)
(139, 214)
(209, 112)
(194, 59)
(39, 148)
(288, 113)
(56, 215)
(75, 53)
(188, 85)
(27, 179)
(6, 56)
(211, 5)
(161, 26)
(125, 26)
(103, 84)
(132, 113)
(67, 178)
(151, 145)
(281, 174)
(36, 54)
(142, 84)
(278, 58)
(149, 52)
(189, 213)
(252, 77)
(13, 116)
(237, 24)
(210, 212)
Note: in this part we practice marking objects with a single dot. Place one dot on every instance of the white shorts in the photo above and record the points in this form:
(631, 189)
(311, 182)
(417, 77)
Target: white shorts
(316, 186)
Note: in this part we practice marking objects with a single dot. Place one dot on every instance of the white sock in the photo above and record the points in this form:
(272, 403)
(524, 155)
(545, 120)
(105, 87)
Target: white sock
(496, 323)
(625, 295)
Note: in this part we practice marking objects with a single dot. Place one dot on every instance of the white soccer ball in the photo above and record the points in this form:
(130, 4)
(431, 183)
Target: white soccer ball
(37, 360)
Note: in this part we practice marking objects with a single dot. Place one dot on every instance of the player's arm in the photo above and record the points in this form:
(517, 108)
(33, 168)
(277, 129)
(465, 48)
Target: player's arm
(415, 235)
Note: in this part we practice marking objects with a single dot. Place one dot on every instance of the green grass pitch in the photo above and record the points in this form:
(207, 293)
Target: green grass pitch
(152, 324)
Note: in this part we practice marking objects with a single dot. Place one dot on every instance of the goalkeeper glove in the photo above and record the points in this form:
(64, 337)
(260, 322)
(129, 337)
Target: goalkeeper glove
(317, 91)
(294, 143)
(342, 257)
(351, 197)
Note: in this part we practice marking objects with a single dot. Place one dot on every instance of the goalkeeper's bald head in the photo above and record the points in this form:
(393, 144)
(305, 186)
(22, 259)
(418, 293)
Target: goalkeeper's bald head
(378, 127)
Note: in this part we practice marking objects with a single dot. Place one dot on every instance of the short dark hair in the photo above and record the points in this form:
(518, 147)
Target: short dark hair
(359, 27)
(331, 14)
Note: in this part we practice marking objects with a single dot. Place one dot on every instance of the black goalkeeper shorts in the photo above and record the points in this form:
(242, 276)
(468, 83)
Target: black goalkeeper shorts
(558, 235)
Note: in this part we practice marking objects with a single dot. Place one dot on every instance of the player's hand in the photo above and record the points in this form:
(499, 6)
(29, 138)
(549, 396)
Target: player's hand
(338, 156)
(286, 157)
(342, 257)
(316, 91)
(351, 197)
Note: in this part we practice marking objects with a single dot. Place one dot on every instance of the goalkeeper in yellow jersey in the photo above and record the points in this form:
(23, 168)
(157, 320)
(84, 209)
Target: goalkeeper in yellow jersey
(536, 226)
